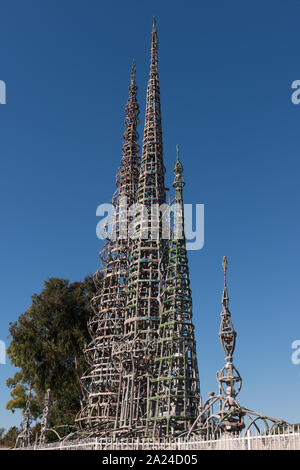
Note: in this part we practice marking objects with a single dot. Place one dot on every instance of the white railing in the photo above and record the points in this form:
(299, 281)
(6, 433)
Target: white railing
(288, 440)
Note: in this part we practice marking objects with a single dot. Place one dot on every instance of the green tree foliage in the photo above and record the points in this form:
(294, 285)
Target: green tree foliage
(9, 439)
(47, 346)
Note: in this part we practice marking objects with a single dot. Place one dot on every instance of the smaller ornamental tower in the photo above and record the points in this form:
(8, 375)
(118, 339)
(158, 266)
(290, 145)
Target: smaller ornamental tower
(222, 413)
(230, 381)
(45, 422)
(25, 437)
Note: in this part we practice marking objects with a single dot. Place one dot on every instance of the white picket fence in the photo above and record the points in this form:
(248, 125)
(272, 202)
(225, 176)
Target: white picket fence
(289, 440)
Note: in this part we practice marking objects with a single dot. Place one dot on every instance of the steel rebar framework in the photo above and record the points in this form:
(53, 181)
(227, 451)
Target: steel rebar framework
(143, 378)
(175, 390)
(136, 351)
(25, 436)
(101, 382)
(222, 413)
(45, 424)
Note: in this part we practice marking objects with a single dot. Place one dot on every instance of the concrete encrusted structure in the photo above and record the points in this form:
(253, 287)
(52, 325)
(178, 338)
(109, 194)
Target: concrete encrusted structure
(25, 437)
(45, 422)
(126, 330)
(101, 382)
(175, 389)
(222, 413)
(137, 349)
(143, 381)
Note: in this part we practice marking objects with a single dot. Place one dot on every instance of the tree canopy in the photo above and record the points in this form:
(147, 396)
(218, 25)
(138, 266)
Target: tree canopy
(47, 346)
(8, 439)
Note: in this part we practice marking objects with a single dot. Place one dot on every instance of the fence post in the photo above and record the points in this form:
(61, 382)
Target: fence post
(248, 440)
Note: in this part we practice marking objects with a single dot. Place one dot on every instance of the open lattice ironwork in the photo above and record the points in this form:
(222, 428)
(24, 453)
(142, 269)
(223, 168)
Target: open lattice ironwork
(24, 439)
(175, 389)
(222, 413)
(137, 349)
(142, 385)
(101, 382)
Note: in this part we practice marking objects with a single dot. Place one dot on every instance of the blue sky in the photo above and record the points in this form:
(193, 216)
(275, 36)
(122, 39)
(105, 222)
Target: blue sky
(226, 70)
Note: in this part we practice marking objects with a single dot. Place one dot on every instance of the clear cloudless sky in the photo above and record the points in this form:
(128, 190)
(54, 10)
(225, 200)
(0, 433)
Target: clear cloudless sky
(226, 70)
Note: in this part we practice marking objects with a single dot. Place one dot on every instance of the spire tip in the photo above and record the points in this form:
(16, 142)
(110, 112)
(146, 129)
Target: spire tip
(154, 32)
(178, 170)
(225, 264)
(133, 67)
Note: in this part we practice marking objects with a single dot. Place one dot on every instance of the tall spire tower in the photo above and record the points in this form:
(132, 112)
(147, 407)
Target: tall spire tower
(101, 383)
(142, 311)
(175, 391)
(151, 187)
